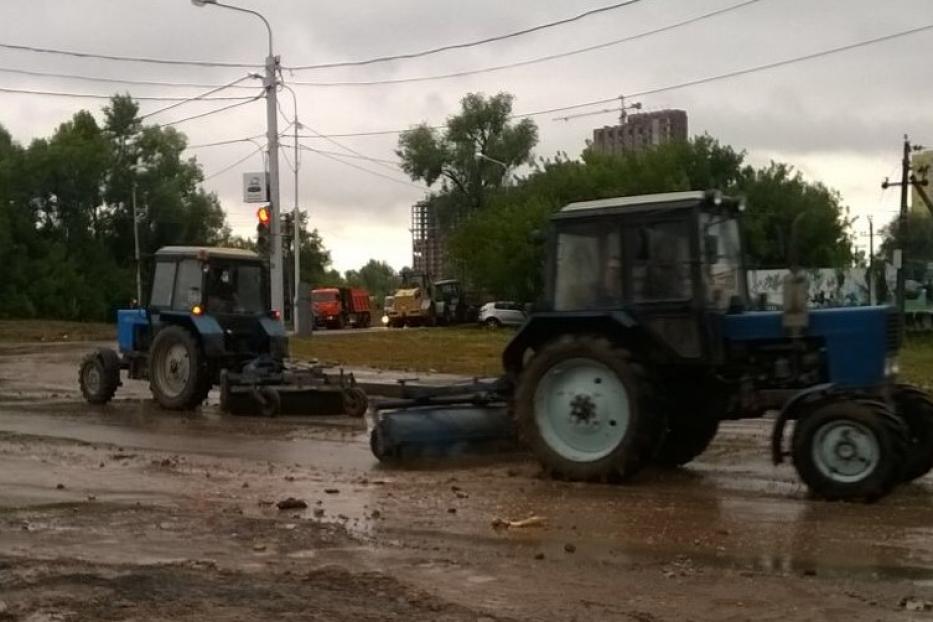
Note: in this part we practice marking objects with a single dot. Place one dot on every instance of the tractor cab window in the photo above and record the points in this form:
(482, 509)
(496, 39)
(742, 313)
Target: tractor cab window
(187, 285)
(722, 259)
(234, 288)
(660, 256)
(588, 268)
(162, 284)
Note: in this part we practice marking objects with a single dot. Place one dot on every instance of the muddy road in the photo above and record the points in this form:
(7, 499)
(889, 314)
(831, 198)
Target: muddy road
(129, 513)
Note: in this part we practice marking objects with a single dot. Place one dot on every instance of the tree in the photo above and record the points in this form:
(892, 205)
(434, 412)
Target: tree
(776, 195)
(482, 127)
(494, 252)
(376, 277)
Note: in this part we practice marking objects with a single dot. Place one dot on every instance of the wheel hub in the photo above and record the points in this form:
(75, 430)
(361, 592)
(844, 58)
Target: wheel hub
(846, 451)
(175, 370)
(92, 379)
(582, 409)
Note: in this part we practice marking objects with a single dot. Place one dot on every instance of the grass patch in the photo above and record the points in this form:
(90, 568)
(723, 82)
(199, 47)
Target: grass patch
(467, 351)
(477, 351)
(916, 359)
(54, 330)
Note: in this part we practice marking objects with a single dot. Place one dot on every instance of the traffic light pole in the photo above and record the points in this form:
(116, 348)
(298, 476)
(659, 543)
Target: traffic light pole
(272, 135)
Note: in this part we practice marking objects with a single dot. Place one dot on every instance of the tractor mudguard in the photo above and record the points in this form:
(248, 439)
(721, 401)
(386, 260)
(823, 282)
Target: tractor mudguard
(205, 327)
(790, 411)
(543, 327)
(278, 340)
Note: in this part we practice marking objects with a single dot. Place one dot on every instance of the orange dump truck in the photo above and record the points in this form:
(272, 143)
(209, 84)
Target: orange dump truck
(339, 307)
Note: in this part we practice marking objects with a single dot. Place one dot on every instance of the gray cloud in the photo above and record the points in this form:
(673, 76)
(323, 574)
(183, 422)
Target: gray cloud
(840, 118)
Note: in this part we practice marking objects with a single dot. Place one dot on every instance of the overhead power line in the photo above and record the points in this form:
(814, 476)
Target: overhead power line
(201, 96)
(214, 111)
(394, 163)
(460, 46)
(235, 164)
(231, 141)
(672, 87)
(335, 158)
(532, 61)
(130, 59)
(159, 98)
(131, 81)
(350, 150)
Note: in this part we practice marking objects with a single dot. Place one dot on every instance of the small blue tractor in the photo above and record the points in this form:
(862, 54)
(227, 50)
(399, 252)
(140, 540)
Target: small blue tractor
(209, 323)
(647, 340)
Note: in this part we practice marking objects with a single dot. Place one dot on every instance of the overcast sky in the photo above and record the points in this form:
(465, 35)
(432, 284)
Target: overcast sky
(839, 119)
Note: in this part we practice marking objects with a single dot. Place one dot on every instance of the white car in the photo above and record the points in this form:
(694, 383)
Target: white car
(496, 314)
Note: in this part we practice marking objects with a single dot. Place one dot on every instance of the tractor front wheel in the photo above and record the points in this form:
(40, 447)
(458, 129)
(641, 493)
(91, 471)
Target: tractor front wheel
(916, 409)
(580, 406)
(176, 370)
(851, 449)
(99, 376)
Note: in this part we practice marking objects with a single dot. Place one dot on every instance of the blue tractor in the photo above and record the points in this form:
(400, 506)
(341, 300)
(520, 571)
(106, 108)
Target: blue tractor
(647, 340)
(209, 322)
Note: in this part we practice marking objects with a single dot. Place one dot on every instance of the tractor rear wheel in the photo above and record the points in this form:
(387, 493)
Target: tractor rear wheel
(580, 406)
(915, 407)
(687, 437)
(850, 449)
(176, 369)
(99, 376)
(355, 402)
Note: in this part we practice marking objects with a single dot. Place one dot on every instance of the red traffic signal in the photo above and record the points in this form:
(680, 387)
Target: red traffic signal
(264, 216)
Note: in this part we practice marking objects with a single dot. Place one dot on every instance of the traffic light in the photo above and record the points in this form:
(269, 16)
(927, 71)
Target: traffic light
(263, 233)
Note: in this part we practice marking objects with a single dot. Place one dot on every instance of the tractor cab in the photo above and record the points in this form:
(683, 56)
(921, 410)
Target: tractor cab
(673, 262)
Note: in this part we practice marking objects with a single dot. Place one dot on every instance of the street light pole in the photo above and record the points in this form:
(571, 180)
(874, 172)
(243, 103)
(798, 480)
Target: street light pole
(296, 228)
(270, 83)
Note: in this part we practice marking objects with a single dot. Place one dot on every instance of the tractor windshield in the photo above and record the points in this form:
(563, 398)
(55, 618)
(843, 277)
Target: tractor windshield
(235, 288)
(722, 266)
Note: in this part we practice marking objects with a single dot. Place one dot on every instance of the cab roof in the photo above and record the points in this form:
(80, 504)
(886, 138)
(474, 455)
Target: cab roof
(638, 203)
(210, 252)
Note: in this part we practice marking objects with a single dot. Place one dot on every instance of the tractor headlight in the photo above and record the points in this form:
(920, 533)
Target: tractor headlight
(385, 320)
(891, 367)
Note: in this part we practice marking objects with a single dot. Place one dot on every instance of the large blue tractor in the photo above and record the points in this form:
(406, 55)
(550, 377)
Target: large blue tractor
(647, 340)
(208, 323)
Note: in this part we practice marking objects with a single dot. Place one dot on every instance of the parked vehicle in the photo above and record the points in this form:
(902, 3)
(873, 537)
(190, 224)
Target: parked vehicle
(500, 313)
(338, 307)
(423, 302)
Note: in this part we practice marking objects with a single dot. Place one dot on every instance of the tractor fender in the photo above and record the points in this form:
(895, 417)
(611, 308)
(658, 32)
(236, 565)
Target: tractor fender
(204, 327)
(541, 328)
(792, 410)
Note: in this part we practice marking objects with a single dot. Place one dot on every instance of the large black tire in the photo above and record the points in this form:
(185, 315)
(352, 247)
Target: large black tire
(850, 449)
(686, 438)
(176, 369)
(99, 376)
(915, 407)
(622, 447)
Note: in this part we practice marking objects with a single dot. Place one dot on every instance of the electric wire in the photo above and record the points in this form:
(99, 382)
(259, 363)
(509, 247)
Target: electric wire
(235, 164)
(132, 59)
(531, 61)
(212, 112)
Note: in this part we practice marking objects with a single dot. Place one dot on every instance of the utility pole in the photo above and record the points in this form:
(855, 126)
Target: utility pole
(899, 259)
(272, 136)
(296, 236)
(139, 277)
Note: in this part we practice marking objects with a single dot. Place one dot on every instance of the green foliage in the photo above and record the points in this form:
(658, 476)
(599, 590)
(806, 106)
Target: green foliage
(493, 252)
(66, 216)
(376, 277)
(776, 196)
(482, 127)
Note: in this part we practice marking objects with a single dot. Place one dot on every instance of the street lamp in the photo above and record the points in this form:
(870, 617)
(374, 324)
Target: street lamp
(482, 156)
(270, 83)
